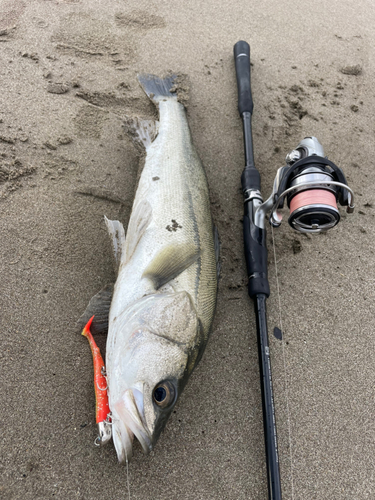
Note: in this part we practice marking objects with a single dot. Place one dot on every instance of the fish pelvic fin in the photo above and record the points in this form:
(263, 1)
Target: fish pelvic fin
(99, 306)
(158, 88)
(169, 263)
(117, 233)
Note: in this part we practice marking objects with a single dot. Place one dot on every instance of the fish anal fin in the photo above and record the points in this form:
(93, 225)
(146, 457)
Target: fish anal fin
(117, 234)
(99, 308)
(142, 132)
(139, 222)
(169, 263)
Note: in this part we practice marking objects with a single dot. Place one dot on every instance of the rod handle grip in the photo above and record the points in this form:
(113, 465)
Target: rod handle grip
(242, 62)
(255, 255)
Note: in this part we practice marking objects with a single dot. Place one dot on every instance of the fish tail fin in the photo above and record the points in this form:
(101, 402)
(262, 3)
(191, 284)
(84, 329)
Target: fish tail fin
(158, 88)
(144, 132)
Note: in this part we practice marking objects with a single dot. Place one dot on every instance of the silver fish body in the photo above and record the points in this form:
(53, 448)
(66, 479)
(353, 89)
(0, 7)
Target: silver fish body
(164, 298)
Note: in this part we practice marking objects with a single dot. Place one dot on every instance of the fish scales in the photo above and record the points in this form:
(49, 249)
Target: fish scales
(164, 297)
(180, 204)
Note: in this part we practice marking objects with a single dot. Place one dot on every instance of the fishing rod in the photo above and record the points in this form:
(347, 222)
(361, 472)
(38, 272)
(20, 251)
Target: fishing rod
(311, 186)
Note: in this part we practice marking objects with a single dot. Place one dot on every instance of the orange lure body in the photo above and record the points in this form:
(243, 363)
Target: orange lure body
(100, 382)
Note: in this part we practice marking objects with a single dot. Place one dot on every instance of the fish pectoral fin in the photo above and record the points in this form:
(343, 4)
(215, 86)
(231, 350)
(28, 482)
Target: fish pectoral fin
(99, 307)
(169, 263)
(117, 233)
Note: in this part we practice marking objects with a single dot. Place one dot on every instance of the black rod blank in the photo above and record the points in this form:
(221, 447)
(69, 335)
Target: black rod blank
(256, 262)
(269, 423)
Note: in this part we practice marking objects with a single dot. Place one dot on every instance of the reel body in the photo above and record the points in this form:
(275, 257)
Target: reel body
(312, 186)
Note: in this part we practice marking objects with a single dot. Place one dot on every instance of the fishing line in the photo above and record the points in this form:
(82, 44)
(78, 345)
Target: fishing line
(284, 362)
(127, 474)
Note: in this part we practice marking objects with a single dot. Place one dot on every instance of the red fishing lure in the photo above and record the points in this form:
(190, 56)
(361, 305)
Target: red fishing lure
(100, 383)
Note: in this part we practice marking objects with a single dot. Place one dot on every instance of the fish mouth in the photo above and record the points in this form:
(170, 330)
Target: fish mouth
(128, 421)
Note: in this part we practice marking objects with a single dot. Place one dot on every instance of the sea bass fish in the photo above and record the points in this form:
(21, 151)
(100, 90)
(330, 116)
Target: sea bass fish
(163, 301)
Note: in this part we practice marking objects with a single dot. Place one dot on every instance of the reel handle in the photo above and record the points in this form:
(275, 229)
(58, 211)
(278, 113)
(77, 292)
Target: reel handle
(242, 62)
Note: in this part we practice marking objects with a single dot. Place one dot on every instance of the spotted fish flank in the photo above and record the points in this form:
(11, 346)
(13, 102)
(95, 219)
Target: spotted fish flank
(164, 297)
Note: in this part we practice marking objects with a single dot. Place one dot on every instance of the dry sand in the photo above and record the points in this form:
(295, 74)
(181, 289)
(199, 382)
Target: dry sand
(68, 82)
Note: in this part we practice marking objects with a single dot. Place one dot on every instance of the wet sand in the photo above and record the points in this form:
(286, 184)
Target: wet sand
(68, 84)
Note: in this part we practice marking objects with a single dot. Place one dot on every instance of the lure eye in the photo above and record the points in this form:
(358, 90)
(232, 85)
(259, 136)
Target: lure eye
(164, 394)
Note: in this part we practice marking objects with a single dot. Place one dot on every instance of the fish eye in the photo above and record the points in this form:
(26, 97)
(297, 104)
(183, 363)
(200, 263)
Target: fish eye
(164, 394)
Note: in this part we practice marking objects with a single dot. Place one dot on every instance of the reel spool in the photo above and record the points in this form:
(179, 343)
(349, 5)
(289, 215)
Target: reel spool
(312, 186)
(312, 209)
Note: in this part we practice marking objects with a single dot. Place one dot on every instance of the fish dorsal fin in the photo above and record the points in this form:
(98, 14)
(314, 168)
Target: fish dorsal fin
(117, 233)
(169, 263)
(99, 308)
(139, 222)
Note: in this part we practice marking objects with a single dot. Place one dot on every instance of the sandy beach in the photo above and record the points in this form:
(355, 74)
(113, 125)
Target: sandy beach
(68, 84)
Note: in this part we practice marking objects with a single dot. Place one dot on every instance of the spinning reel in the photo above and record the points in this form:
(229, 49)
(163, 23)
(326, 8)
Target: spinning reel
(311, 185)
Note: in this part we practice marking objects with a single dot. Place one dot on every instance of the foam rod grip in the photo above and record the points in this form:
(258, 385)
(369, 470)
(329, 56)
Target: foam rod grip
(242, 62)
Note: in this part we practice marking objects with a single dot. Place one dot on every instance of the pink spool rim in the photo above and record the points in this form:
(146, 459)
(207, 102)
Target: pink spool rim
(313, 197)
